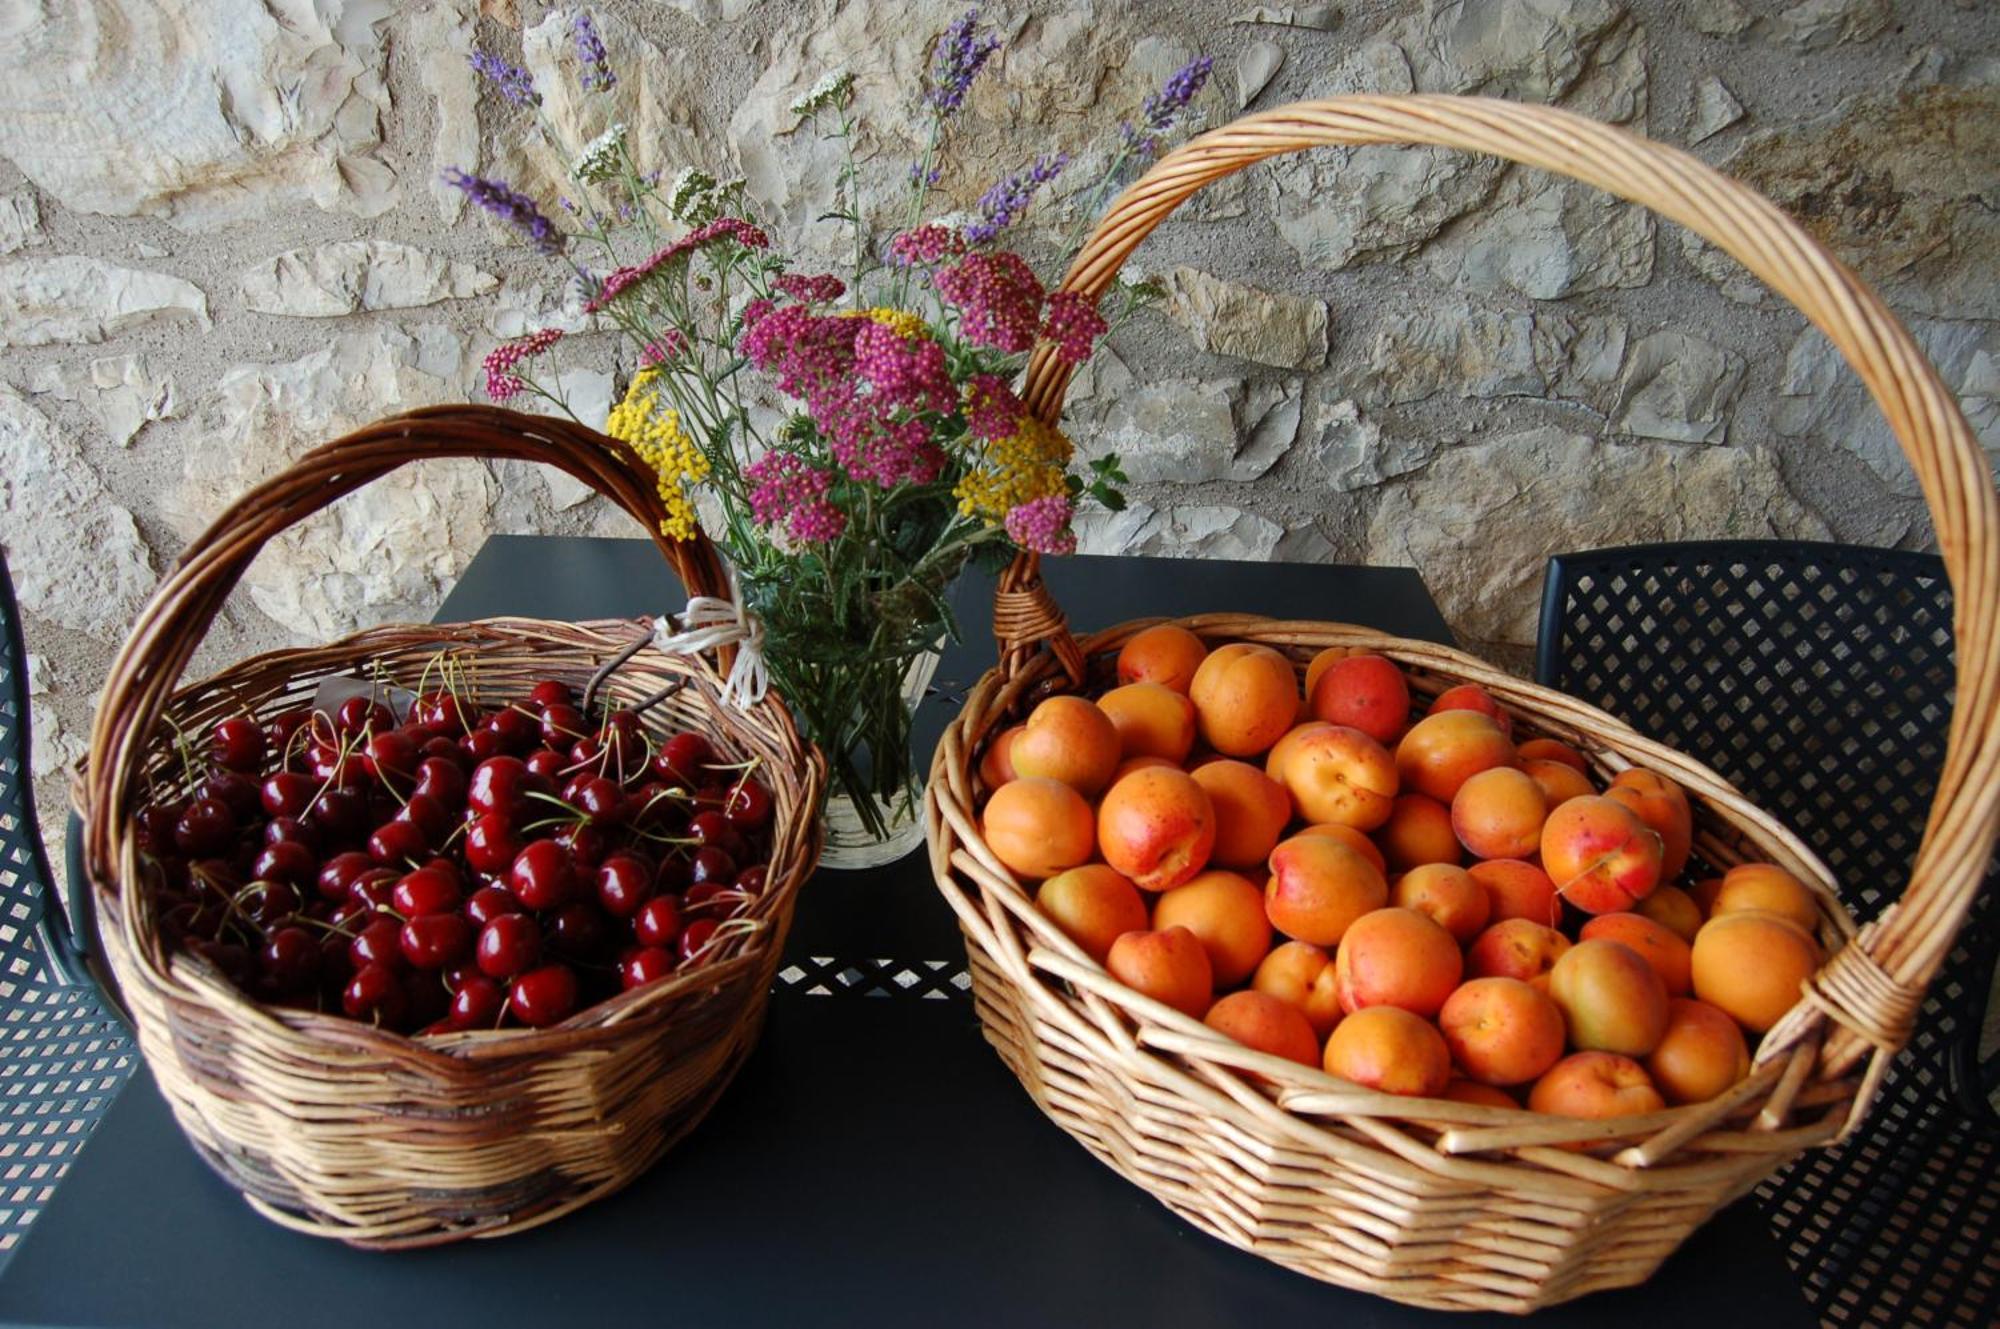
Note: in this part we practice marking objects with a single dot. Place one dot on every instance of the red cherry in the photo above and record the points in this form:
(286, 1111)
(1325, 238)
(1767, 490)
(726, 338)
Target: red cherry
(712, 864)
(586, 752)
(475, 1004)
(748, 806)
(237, 744)
(286, 794)
(562, 725)
(542, 875)
(442, 711)
(751, 879)
(235, 789)
(707, 828)
(207, 827)
(428, 1001)
(648, 964)
(696, 937)
(290, 959)
(434, 941)
(545, 763)
(379, 942)
(270, 904)
(398, 842)
(490, 843)
(619, 728)
(508, 945)
(681, 759)
(543, 997)
(287, 861)
(291, 828)
(623, 884)
(480, 745)
(442, 779)
(674, 875)
(156, 827)
(373, 888)
(601, 799)
(515, 728)
(376, 994)
(651, 806)
(658, 922)
(580, 932)
(391, 755)
(339, 872)
(497, 785)
(587, 845)
(488, 903)
(428, 815)
(342, 814)
(549, 692)
(426, 891)
(448, 870)
(278, 733)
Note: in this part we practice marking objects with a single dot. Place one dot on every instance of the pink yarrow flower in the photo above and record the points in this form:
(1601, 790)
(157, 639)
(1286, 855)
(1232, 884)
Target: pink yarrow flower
(820, 290)
(927, 244)
(1042, 525)
(1074, 325)
(792, 490)
(663, 350)
(502, 383)
(909, 373)
(992, 411)
(999, 299)
(620, 280)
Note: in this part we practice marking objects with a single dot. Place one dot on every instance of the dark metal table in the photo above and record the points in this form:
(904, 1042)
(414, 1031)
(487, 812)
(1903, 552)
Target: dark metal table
(874, 1164)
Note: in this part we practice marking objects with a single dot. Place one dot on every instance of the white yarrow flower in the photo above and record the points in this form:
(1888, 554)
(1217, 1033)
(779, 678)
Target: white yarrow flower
(831, 90)
(602, 157)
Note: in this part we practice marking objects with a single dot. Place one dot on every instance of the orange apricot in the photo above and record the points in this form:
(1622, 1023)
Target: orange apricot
(1768, 887)
(1518, 889)
(1499, 814)
(1751, 964)
(1169, 965)
(1318, 886)
(1447, 895)
(1093, 906)
(1659, 803)
(1611, 999)
(1068, 739)
(1322, 662)
(1548, 749)
(1165, 654)
(1396, 957)
(1515, 948)
(1480, 1095)
(1559, 781)
(1335, 774)
(1671, 958)
(1157, 827)
(1038, 827)
(1418, 831)
(1601, 857)
(1385, 1048)
(1251, 810)
(1444, 750)
(1266, 1024)
(1245, 697)
(1673, 909)
(1361, 691)
(1701, 1054)
(1595, 1086)
(1226, 912)
(995, 768)
(1302, 974)
(1152, 720)
(1472, 697)
(1353, 839)
(1501, 1031)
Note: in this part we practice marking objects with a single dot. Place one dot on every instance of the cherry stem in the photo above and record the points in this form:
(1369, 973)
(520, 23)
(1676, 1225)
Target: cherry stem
(611, 666)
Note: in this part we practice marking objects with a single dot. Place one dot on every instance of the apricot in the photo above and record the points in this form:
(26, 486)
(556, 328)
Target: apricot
(1418, 831)
(1037, 826)
(1659, 803)
(1168, 965)
(1447, 895)
(1353, 839)
(1157, 827)
(1251, 810)
(1389, 1049)
(1472, 697)
(1131, 764)
(1515, 948)
(1362, 691)
(1499, 814)
(1318, 886)
(1611, 999)
(1068, 739)
(1595, 1086)
(1444, 750)
(1673, 909)
(1396, 957)
(1266, 1024)
(1701, 1054)
(1245, 698)
(1093, 906)
(1518, 889)
(1152, 720)
(1480, 1095)
(1163, 654)
(1324, 661)
(1670, 957)
(1548, 749)
(1601, 857)
(1559, 782)
(1335, 774)
(1301, 974)
(1768, 887)
(1703, 894)
(1751, 964)
(1226, 913)
(995, 767)
(1501, 1031)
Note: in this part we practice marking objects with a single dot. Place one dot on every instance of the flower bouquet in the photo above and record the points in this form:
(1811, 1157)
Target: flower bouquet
(849, 441)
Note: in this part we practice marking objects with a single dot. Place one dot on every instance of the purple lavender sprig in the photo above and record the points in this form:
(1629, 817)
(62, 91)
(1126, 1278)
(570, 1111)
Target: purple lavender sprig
(514, 83)
(1002, 205)
(1164, 107)
(960, 54)
(597, 75)
(510, 206)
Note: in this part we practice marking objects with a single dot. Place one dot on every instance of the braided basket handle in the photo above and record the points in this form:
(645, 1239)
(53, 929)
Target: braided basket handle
(1871, 989)
(171, 626)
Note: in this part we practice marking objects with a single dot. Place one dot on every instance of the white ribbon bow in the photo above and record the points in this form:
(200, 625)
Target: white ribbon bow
(707, 623)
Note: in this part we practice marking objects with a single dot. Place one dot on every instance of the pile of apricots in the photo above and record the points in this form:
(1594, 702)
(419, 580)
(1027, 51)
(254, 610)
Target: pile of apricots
(1412, 902)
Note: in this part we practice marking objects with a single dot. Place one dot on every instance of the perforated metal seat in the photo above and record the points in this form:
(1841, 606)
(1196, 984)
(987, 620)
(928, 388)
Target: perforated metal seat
(63, 1054)
(1817, 678)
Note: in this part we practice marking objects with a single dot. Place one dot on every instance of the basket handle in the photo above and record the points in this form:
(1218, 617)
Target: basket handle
(173, 623)
(1871, 990)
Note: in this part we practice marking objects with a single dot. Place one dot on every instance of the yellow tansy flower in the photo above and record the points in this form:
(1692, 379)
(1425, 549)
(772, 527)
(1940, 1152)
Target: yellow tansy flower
(655, 433)
(1027, 464)
(899, 321)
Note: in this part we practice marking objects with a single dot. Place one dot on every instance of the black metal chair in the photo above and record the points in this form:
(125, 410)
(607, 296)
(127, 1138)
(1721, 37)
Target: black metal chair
(1817, 678)
(63, 1054)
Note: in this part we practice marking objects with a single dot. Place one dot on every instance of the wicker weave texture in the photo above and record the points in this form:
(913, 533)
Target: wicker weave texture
(1433, 1203)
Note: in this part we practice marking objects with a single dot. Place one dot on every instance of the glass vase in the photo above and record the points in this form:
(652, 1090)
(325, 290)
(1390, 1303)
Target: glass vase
(870, 825)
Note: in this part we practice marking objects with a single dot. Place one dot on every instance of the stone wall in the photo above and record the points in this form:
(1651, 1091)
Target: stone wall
(223, 238)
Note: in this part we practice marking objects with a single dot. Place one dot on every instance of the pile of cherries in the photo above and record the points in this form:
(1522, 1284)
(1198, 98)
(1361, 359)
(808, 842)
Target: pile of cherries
(462, 868)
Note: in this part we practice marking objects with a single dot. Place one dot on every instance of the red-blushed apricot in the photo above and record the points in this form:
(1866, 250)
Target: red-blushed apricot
(1499, 814)
(1335, 774)
(1396, 957)
(1595, 1086)
(1673, 909)
(1515, 948)
(1518, 889)
(1353, 839)
(1481, 1095)
(1447, 895)
(1152, 720)
(1501, 1031)
(1659, 803)
(1318, 886)
(1362, 691)
(1157, 827)
(1558, 781)
(1472, 697)
(1266, 1024)
(1245, 697)
(1548, 749)
(1093, 906)
(1165, 654)
(1037, 827)
(1701, 1054)
(1670, 957)
(1703, 894)
(994, 766)
(1418, 832)
(1444, 750)
(1318, 666)
(1068, 739)
(1766, 887)
(1751, 964)
(1301, 974)
(1386, 1048)
(1602, 858)
(1251, 810)
(1611, 999)
(1226, 912)
(1169, 965)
